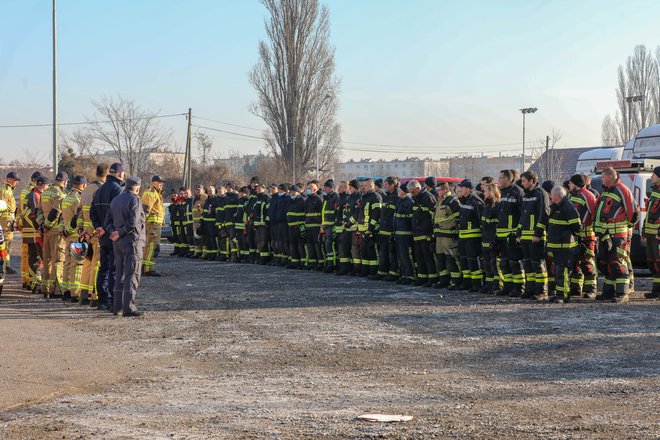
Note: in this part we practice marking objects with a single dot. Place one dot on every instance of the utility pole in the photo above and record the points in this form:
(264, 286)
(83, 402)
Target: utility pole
(55, 152)
(189, 148)
(547, 158)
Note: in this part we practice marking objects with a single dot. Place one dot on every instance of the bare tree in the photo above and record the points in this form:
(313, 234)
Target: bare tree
(639, 77)
(129, 131)
(296, 86)
(547, 162)
(204, 147)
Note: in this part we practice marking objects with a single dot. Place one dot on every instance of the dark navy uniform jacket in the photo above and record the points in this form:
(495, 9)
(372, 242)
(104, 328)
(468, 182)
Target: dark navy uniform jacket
(126, 216)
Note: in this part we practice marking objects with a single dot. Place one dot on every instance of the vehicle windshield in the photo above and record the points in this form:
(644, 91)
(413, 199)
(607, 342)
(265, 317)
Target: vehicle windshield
(647, 144)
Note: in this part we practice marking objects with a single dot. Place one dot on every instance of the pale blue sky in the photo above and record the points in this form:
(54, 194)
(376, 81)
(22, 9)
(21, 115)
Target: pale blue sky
(429, 73)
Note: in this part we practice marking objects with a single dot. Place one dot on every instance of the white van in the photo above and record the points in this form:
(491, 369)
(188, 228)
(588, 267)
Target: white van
(647, 143)
(586, 163)
(636, 175)
(628, 150)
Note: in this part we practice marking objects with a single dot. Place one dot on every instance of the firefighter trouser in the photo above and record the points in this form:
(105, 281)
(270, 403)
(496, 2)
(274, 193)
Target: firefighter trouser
(223, 239)
(211, 240)
(6, 224)
(448, 258)
(251, 242)
(190, 238)
(152, 246)
(128, 255)
(536, 275)
(387, 262)
(511, 266)
(176, 237)
(614, 264)
(34, 262)
(90, 269)
(243, 245)
(296, 246)
(584, 276)
(72, 274)
(368, 255)
(53, 259)
(404, 254)
(329, 247)
(631, 272)
(345, 245)
(262, 240)
(424, 258)
(313, 247)
(564, 261)
(283, 241)
(25, 271)
(550, 265)
(653, 260)
(492, 277)
(355, 252)
(470, 254)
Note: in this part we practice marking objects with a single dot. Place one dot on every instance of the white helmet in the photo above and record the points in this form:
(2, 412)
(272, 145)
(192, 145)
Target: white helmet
(78, 250)
(3, 206)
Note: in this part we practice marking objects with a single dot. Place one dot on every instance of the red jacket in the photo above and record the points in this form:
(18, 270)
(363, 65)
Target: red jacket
(616, 213)
(585, 202)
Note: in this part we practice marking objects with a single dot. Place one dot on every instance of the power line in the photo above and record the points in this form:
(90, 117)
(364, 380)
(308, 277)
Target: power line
(228, 132)
(90, 122)
(227, 123)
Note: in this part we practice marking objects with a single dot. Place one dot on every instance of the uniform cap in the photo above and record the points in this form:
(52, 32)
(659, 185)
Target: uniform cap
(283, 186)
(578, 180)
(329, 183)
(35, 175)
(157, 179)
(465, 183)
(79, 180)
(13, 175)
(430, 181)
(295, 188)
(116, 168)
(656, 171)
(42, 180)
(61, 176)
(354, 183)
(132, 182)
(404, 187)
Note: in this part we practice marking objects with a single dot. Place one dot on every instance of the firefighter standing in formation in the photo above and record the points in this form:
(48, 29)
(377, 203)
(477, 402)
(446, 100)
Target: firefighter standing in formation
(152, 201)
(27, 231)
(7, 217)
(483, 241)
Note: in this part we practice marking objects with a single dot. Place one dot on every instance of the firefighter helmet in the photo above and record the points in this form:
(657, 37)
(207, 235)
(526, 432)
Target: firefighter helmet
(78, 250)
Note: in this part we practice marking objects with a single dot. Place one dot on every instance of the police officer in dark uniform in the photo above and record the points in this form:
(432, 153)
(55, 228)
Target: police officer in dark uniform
(125, 224)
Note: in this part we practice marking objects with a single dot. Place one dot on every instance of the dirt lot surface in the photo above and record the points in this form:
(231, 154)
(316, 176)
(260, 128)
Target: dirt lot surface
(242, 351)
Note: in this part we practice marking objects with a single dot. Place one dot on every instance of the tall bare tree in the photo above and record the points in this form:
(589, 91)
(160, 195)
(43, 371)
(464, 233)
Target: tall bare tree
(296, 86)
(640, 76)
(130, 132)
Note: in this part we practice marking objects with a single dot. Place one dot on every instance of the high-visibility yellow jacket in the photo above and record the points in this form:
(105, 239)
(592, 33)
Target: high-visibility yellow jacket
(152, 200)
(70, 213)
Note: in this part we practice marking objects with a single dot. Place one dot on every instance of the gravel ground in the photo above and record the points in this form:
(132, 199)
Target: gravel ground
(241, 351)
